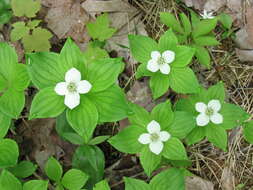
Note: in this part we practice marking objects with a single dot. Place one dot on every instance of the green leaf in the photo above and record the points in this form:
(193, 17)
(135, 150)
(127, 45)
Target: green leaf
(163, 114)
(3, 83)
(135, 184)
(194, 18)
(94, 53)
(203, 56)
(35, 185)
(174, 150)
(183, 57)
(38, 41)
(127, 140)
(5, 122)
(196, 135)
(8, 60)
(216, 92)
(9, 151)
(33, 24)
(46, 104)
(183, 80)
(140, 116)
(44, 69)
(27, 8)
(83, 119)
(248, 131)
(204, 27)
(8, 107)
(5, 12)
(19, 31)
(66, 132)
(168, 41)
(217, 135)
(169, 20)
(206, 41)
(142, 71)
(20, 80)
(74, 179)
(103, 73)
(102, 185)
(98, 140)
(23, 169)
(186, 24)
(149, 160)
(159, 84)
(182, 125)
(100, 29)
(170, 179)
(90, 159)
(111, 104)
(9, 181)
(53, 169)
(141, 47)
(71, 56)
(233, 116)
(226, 20)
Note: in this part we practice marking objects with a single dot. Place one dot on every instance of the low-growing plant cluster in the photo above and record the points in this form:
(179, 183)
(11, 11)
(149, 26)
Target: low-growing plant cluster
(80, 90)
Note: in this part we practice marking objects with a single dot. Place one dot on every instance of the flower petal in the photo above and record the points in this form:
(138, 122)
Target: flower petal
(202, 119)
(83, 87)
(156, 147)
(164, 136)
(200, 107)
(155, 55)
(216, 118)
(169, 56)
(152, 65)
(153, 127)
(215, 105)
(61, 88)
(165, 69)
(73, 75)
(144, 138)
(72, 100)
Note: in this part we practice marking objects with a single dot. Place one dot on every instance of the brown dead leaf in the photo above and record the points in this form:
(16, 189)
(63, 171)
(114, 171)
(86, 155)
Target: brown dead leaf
(197, 4)
(67, 18)
(197, 183)
(244, 55)
(243, 39)
(41, 141)
(227, 179)
(140, 94)
(214, 5)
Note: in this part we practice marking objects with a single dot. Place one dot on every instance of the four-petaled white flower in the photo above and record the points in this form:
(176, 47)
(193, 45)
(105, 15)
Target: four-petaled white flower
(209, 113)
(72, 88)
(155, 137)
(207, 15)
(160, 61)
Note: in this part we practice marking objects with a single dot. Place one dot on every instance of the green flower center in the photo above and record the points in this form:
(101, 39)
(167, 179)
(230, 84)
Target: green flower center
(209, 111)
(161, 61)
(72, 87)
(154, 137)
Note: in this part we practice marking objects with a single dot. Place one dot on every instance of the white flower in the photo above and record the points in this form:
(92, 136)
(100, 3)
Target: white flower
(154, 137)
(207, 15)
(161, 62)
(72, 87)
(208, 113)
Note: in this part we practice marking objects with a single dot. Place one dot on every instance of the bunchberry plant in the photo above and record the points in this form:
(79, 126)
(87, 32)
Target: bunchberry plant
(29, 32)
(165, 62)
(73, 179)
(5, 11)
(197, 33)
(212, 115)
(154, 135)
(14, 80)
(89, 94)
(226, 24)
(170, 179)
